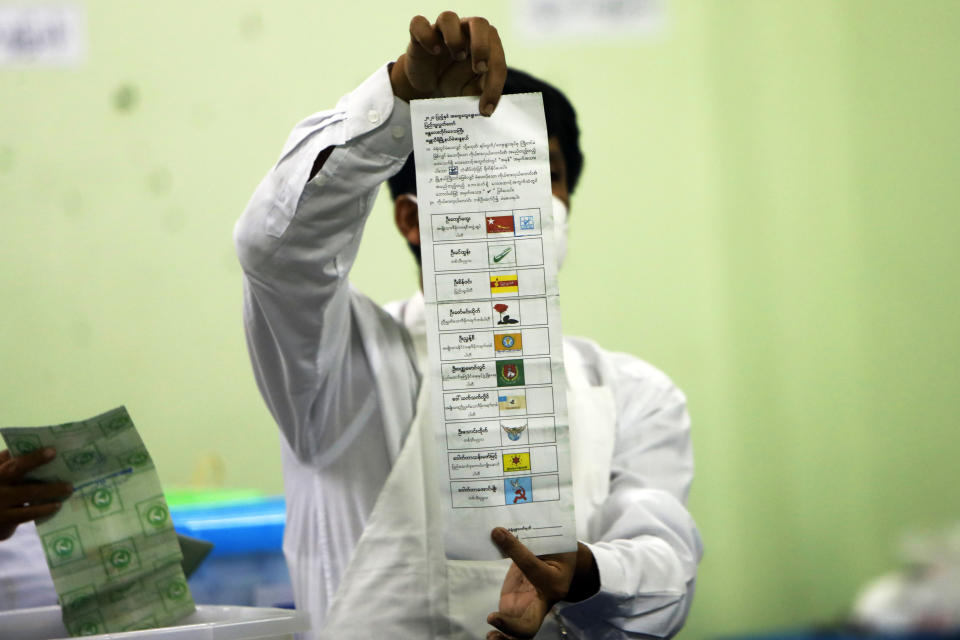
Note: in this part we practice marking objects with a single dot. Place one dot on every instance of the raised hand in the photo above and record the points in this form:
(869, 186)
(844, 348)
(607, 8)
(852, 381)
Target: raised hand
(451, 57)
(534, 584)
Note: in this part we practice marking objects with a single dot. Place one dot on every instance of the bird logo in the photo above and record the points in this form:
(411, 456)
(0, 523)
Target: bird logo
(514, 433)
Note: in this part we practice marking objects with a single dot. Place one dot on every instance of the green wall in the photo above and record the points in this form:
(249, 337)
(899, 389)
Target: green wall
(774, 182)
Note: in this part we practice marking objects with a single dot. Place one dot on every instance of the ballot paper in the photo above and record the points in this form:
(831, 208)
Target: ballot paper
(496, 372)
(111, 548)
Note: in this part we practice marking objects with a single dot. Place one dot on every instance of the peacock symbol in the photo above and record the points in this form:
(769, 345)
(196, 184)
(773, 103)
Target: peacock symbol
(514, 432)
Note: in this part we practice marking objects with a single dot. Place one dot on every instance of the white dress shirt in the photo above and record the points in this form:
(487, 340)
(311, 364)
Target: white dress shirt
(344, 398)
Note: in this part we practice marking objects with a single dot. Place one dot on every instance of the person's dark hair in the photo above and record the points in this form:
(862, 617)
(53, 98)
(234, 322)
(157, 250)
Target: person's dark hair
(561, 122)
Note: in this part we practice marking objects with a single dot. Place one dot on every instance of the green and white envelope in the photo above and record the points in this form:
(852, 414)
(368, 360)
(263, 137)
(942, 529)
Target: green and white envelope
(112, 550)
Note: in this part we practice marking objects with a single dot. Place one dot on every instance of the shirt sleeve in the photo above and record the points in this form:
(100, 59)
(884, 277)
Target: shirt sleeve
(297, 240)
(644, 540)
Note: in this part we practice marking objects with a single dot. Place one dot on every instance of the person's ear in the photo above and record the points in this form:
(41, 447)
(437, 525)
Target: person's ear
(406, 215)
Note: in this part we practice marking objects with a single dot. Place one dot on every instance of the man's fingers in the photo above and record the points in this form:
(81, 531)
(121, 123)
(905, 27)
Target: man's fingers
(458, 80)
(21, 494)
(16, 468)
(4, 456)
(448, 24)
(536, 571)
(20, 515)
(495, 76)
(514, 626)
(496, 635)
(424, 39)
(479, 30)
(474, 87)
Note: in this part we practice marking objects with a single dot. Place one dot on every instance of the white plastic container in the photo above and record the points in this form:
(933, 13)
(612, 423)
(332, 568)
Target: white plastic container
(208, 622)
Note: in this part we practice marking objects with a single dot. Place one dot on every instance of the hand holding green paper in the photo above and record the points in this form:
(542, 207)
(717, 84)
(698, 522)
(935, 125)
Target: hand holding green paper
(111, 547)
(20, 499)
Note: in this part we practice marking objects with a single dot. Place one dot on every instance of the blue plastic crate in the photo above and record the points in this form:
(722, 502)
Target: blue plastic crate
(245, 527)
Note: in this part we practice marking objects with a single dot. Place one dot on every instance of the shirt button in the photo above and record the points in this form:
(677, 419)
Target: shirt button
(397, 132)
(373, 116)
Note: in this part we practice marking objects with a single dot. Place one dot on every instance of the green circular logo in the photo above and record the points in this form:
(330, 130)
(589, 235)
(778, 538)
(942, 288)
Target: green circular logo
(63, 547)
(102, 499)
(81, 601)
(120, 558)
(25, 446)
(156, 515)
(82, 458)
(176, 590)
(89, 628)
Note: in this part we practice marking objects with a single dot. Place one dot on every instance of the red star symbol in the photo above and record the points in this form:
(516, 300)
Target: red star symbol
(516, 459)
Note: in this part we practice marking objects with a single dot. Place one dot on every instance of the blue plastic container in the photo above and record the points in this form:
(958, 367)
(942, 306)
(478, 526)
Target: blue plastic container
(246, 566)
(249, 526)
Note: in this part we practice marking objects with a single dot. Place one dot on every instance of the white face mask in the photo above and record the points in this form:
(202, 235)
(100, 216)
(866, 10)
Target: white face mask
(559, 230)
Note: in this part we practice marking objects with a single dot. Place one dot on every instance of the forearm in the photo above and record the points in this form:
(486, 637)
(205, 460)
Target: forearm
(642, 537)
(298, 239)
(647, 567)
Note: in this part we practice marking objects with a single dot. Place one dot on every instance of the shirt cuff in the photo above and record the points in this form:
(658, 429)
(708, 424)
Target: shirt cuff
(611, 584)
(617, 606)
(378, 116)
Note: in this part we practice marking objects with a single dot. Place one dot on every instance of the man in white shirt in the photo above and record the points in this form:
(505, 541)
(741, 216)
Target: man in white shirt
(341, 376)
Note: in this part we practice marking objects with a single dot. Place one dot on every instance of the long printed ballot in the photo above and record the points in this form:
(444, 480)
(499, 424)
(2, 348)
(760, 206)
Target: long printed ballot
(498, 389)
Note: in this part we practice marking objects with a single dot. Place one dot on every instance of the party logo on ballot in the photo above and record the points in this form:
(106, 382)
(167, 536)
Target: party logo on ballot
(500, 224)
(509, 373)
(504, 342)
(518, 490)
(516, 462)
(512, 401)
(504, 284)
